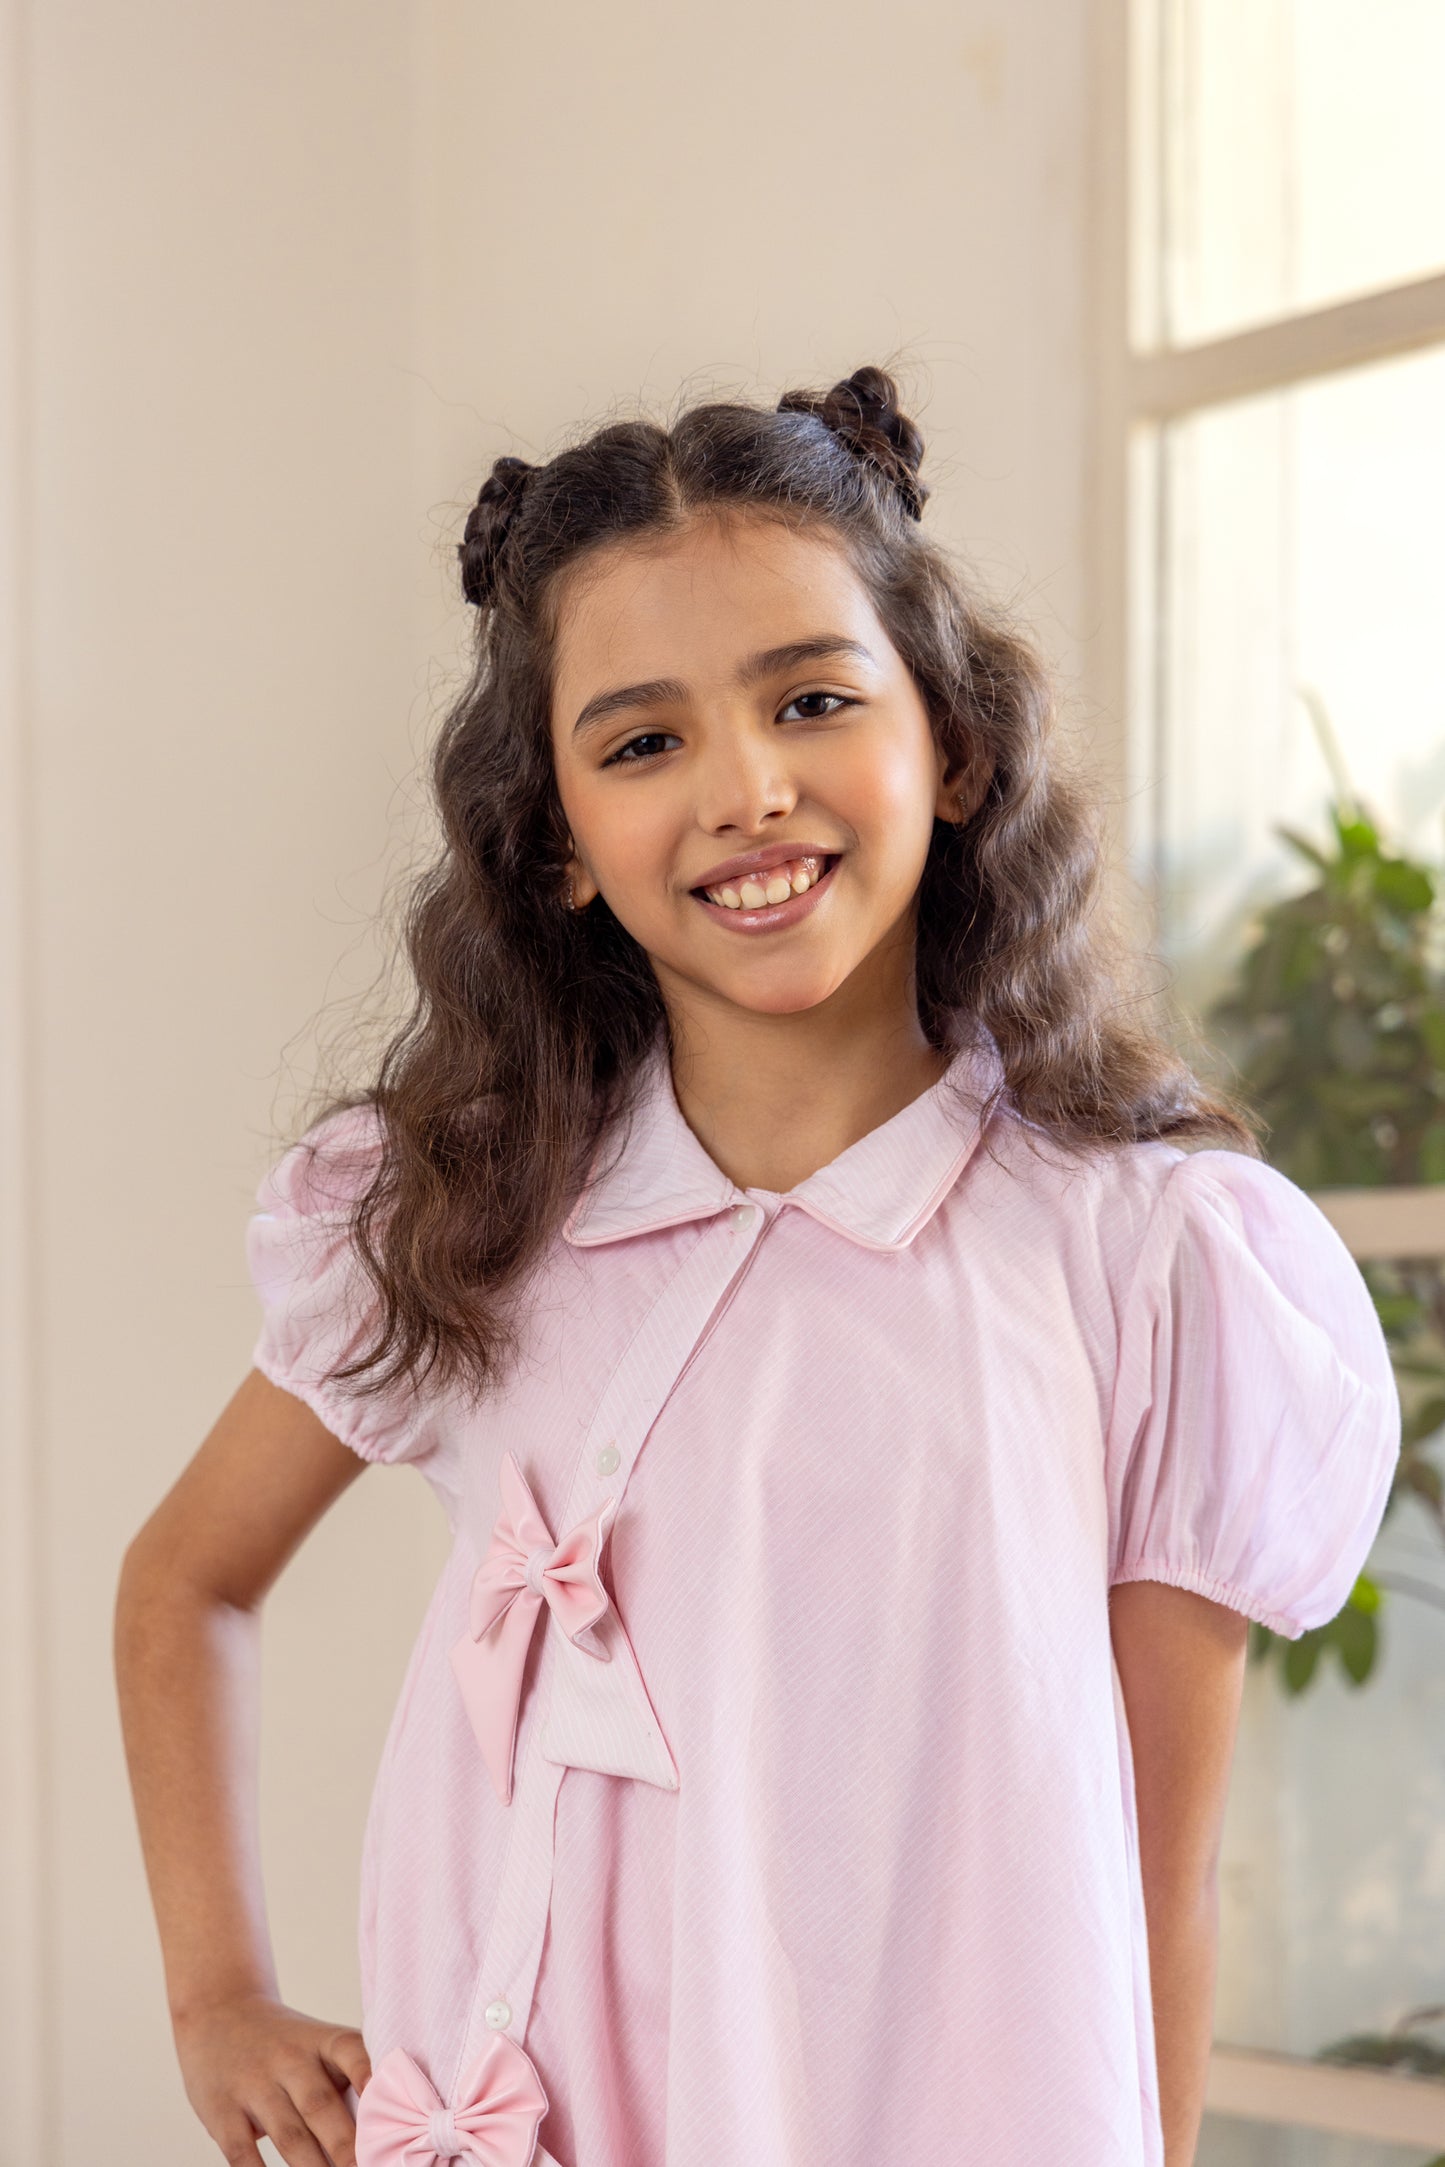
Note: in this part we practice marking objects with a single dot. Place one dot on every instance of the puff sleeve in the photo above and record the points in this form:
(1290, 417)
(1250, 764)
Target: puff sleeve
(316, 1300)
(1255, 1423)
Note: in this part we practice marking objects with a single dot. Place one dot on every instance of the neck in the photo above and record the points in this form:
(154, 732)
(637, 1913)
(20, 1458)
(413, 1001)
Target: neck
(771, 1098)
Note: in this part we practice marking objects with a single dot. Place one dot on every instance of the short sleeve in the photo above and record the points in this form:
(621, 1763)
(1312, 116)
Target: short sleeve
(1255, 1424)
(318, 1304)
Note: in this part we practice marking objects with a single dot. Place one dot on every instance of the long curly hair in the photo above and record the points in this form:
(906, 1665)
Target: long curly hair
(530, 1022)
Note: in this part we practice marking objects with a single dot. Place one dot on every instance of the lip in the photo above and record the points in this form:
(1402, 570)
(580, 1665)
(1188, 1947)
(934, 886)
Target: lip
(765, 917)
(760, 861)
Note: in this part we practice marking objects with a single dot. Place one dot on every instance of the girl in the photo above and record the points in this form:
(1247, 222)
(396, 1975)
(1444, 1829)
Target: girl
(866, 1419)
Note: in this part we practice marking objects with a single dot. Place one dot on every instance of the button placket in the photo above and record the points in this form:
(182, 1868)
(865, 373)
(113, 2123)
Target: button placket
(635, 1396)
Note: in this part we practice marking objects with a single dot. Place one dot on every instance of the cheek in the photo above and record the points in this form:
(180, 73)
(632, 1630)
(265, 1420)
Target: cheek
(625, 834)
(885, 786)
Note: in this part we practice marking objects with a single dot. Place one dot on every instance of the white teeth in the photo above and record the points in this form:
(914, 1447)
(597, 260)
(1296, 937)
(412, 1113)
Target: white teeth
(777, 885)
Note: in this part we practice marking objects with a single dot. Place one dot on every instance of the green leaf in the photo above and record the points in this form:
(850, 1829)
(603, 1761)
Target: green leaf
(1398, 1312)
(1301, 1657)
(1403, 885)
(1354, 1635)
(1358, 838)
(1305, 847)
(1365, 1594)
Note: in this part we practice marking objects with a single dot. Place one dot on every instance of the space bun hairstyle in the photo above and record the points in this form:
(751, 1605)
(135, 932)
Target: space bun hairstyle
(849, 455)
(863, 413)
(485, 533)
(531, 1021)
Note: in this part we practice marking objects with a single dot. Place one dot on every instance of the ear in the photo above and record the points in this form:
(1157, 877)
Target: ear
(961, 790)
(584, 887)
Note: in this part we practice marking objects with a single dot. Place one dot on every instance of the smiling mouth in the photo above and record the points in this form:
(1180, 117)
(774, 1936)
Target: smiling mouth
(771, 888)
(746, 915)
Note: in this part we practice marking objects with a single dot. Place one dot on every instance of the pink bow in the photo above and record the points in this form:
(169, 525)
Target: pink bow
(523, 1568)
(401, 2122)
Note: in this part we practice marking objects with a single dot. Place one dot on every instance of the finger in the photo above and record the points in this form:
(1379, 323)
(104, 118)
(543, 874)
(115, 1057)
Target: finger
(347, 2059)
(238, 2145)
(287, 2130)
(328, 2117)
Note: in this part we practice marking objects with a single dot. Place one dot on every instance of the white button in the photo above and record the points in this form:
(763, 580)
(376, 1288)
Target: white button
(744, 1214)
(499, 2015)
(609, 1459)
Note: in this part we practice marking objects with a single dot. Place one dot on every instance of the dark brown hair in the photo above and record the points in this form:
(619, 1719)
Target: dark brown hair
(530, 1021)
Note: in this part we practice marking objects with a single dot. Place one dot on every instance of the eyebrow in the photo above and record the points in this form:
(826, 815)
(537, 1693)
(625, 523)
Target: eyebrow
(662, 691)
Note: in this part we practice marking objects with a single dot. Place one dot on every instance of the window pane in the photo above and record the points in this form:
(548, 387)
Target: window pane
(1299, 543)
(1303, 154)
(1301, 549)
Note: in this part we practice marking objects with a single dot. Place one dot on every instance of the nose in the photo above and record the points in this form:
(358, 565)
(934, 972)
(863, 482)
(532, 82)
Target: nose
(744, 781)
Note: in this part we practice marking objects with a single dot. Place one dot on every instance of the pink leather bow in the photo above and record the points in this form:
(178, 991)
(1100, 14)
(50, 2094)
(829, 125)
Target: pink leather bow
(401, 2122)
(522, 1570)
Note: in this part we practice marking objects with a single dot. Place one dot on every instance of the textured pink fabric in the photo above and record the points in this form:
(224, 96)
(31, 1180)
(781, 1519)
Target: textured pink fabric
(833, 1860)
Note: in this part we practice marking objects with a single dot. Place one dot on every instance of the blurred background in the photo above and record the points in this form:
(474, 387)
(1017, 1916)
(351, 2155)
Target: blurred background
(1165, 284)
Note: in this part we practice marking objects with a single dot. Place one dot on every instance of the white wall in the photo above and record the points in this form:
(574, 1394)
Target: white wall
(218, 562)
(646, 200)
(289, 278)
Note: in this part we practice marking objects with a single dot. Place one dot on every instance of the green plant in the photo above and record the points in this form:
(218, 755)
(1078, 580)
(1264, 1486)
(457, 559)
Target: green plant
(1335, 1027)
(1337, 1019)
(1403, 2047)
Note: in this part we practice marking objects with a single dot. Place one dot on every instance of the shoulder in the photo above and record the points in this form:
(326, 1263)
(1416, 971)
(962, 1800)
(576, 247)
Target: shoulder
(319, 1306)
(1238, 1206)
(1236, 1249)
(1129, 1216)
(1147, 1189)
(1100, 1201)
(322, 1174)
(1253, 1197)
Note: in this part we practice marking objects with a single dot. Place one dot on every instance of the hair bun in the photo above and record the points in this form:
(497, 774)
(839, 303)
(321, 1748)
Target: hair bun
(863, 413)
(488, 524)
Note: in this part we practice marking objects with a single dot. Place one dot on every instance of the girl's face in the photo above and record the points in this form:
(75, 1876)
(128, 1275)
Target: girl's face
(727, 692)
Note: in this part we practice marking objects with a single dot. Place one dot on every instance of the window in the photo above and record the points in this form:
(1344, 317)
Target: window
(1283, 410)
(1268, 626)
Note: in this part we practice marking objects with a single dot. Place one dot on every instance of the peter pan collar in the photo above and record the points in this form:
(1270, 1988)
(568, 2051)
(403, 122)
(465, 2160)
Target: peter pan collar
(879, 1192)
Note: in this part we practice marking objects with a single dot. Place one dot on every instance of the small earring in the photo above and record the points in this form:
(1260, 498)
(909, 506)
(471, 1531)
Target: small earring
(570, 901)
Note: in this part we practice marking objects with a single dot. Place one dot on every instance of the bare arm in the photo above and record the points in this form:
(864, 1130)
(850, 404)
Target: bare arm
(1181, 1666)
(187, 1629)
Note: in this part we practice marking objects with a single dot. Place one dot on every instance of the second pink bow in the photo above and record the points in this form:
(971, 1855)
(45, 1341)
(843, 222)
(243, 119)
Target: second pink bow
(523, 1570)
(401, 2122)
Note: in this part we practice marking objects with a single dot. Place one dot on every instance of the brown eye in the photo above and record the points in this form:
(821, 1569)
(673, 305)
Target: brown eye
(836, 697)
(621, 758)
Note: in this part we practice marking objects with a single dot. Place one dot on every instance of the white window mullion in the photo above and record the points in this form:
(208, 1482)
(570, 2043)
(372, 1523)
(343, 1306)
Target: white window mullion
(1371, 327)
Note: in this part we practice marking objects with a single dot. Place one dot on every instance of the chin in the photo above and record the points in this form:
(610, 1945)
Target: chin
(790, 998)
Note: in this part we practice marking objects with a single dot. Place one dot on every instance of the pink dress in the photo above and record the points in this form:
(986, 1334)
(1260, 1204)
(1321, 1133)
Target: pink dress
(759, 1793)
